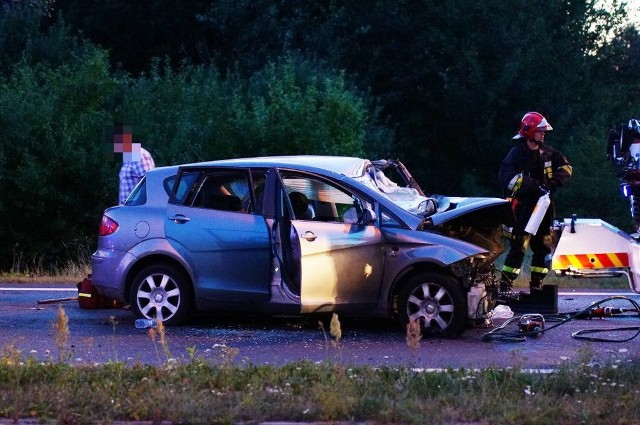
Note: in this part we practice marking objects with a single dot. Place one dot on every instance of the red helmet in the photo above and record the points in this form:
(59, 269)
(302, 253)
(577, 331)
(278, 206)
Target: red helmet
(531, 122)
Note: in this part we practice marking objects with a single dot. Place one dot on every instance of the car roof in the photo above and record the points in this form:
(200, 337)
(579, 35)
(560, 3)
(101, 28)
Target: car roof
(345, 165)
(349, 167)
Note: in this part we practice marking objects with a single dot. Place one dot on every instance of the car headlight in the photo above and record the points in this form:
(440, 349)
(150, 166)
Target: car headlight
(462, 267)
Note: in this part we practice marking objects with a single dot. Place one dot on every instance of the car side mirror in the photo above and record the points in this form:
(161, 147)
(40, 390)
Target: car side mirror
(351, 216)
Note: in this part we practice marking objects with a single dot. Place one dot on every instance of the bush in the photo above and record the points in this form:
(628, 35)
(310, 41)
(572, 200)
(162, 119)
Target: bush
(52, 122)
(284, 109)
(55, 176)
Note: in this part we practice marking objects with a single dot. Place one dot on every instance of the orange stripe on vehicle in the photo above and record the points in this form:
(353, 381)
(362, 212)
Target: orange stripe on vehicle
(565, 261)
(607, 262)
(620, 260)
(591, 261)
(584, 261)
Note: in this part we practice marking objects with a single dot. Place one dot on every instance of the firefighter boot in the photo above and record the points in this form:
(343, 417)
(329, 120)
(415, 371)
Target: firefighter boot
(535, 284)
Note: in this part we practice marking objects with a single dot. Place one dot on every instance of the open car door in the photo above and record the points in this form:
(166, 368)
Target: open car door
(337, 259)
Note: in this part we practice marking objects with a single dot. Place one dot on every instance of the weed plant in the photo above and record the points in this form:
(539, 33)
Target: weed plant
(197, 391)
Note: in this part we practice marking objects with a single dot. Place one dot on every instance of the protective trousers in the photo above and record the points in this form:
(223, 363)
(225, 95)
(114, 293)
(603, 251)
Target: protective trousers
(541, 247)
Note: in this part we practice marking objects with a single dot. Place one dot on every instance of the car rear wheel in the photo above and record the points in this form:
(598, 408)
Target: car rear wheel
(161, 292)
(436, 301)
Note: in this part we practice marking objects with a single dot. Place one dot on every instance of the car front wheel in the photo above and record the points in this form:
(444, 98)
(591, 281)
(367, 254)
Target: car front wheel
(436, 301)
(161, 292)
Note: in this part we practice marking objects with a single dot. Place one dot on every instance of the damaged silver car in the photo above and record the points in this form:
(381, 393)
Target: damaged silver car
(301, 235)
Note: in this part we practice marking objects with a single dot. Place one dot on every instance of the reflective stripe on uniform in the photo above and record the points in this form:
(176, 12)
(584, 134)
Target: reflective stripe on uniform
(515, 183)
(567, 169)
(548, 170)
(508, 269)
(542, 270)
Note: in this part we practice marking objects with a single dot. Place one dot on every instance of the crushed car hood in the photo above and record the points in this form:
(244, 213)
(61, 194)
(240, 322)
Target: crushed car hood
(496, 210)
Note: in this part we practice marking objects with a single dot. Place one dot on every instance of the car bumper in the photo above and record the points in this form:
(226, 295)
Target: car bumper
(108, 271)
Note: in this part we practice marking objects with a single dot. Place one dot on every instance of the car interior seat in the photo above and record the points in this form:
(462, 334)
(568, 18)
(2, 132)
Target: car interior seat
(300, 205)
(222, 202)
(211, 197)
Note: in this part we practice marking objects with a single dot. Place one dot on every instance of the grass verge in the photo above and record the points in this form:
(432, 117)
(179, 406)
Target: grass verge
(196, 391)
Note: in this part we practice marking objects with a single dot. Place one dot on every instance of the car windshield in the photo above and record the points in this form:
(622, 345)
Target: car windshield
(394, 182)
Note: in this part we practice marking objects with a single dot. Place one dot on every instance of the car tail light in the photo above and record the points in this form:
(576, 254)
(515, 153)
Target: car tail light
(107, 226)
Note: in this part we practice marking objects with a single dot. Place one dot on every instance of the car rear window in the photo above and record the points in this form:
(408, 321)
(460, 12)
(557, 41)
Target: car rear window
(139, 194)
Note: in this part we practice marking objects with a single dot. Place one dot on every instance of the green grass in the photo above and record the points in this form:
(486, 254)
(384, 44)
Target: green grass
(199, 392)
(61, 276)
(202, 391)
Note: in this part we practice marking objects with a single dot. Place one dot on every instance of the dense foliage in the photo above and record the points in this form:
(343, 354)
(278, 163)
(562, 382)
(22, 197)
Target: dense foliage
(440, 85)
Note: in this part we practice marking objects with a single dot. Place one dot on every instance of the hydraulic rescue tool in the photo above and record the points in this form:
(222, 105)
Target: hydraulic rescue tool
(531, 323)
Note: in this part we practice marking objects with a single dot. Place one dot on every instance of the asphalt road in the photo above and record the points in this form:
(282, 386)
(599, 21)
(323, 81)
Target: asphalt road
(98, 336)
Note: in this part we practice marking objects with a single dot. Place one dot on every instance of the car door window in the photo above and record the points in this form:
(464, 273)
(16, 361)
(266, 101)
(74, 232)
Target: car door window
(311, 198)
(225, 190)
(138, 195)
(252, 200)
(180, 193)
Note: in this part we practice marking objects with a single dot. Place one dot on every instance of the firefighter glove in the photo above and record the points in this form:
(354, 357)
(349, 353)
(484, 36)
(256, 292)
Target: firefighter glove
(553, 185)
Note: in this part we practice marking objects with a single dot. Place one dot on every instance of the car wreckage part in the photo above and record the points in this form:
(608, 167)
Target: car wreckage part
(161, 292)
(477, 302)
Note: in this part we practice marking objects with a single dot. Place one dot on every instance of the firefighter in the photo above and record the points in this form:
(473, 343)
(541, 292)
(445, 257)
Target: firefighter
(531, 169)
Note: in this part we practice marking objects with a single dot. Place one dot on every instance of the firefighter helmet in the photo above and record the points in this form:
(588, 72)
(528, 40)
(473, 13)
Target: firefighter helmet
(531, 122)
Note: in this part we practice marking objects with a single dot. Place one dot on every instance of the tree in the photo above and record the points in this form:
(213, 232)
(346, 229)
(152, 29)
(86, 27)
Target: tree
(136, 32)
(440, 85)
(290, 107)
(53, 163)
